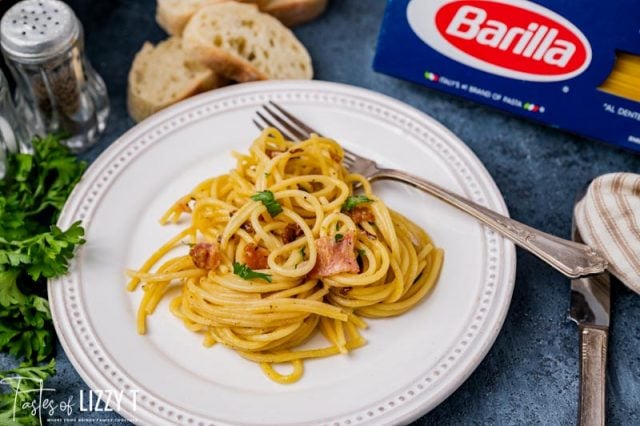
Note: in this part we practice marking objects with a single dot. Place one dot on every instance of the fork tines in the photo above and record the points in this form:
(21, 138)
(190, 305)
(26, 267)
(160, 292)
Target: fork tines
(291, 127)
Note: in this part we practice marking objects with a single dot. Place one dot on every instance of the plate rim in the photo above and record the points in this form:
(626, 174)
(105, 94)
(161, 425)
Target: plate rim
(414, 408)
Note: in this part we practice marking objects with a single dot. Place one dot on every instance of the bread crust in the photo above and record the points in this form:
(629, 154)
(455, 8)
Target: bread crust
(173, 18)
(168, 19)
(295, 12)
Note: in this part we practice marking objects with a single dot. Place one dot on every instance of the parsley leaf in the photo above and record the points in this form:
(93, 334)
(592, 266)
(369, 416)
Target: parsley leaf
(266, 197)
(361, 252)
(45, 254)
(246, 273)
(354, 200)
(338, 237)
(302, 253)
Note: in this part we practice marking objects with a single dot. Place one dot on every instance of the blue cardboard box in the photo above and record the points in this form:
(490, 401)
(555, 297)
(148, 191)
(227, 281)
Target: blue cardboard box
(544, 60)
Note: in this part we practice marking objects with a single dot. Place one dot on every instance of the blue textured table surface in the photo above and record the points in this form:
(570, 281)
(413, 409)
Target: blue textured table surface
(530, 376)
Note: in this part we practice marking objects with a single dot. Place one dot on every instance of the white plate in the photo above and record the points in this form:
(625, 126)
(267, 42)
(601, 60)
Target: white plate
(410, 364)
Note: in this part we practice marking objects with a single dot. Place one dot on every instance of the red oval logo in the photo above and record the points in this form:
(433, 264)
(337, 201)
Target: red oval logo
(512, 37)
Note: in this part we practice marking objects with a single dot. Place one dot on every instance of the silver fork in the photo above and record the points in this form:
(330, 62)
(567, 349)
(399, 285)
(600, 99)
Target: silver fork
(570, 258)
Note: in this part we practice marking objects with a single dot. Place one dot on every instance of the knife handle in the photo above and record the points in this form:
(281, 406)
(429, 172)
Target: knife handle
(593, 362)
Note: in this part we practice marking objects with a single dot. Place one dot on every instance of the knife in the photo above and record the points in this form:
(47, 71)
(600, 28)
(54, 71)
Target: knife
(590, 305)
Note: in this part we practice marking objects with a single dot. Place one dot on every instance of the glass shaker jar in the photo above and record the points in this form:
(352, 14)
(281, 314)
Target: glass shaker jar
(13, 136)
(58, 91)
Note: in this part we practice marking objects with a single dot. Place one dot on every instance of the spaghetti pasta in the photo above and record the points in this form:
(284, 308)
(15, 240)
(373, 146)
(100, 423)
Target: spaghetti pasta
(624, 80)
(281, 247)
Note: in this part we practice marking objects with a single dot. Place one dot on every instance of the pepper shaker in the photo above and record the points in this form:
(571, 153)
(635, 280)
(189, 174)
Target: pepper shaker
(58, 91)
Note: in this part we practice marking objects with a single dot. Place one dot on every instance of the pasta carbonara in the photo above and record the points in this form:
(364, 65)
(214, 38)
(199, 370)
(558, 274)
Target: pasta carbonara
(281, 247)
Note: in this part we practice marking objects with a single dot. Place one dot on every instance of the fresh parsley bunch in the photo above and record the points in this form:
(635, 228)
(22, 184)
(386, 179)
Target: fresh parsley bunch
(32, 248)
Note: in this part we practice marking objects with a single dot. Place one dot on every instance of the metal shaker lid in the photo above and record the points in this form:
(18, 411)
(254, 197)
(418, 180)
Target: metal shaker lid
(36, 30)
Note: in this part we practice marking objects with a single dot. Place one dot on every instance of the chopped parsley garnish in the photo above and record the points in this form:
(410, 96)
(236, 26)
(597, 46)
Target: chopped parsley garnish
(266, 197)
(361, 253)
(354, 200)
(302, 254)
(246, 273)
(338, 237)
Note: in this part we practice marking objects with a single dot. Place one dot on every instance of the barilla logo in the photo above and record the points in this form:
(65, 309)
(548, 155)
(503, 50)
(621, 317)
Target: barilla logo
(511, 38)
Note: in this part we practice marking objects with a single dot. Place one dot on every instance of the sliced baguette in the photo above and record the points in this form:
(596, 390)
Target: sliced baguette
(173, 15)
(163, 75)
(239, 42)
(294, 12)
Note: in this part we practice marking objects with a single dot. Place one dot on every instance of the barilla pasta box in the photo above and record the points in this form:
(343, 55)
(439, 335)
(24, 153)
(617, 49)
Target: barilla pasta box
(567, 63)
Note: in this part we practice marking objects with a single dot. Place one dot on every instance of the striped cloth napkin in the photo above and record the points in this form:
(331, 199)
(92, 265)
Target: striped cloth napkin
(609, 220)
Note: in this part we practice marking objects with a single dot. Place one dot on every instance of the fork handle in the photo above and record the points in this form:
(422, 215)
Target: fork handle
(570, 258)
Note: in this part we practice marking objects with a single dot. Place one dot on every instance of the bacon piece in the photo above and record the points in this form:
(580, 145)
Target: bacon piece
(272, 152)
(248, 227)
(335, 257)
(361, 214)
(255, 256)
(369, 235)
(291, 232)
(205, 256)
(345, 291)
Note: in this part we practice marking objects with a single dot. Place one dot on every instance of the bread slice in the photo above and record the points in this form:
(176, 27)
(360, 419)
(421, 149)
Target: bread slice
(173, 15)
(163, 75)
(294, 12)
(239, 42)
